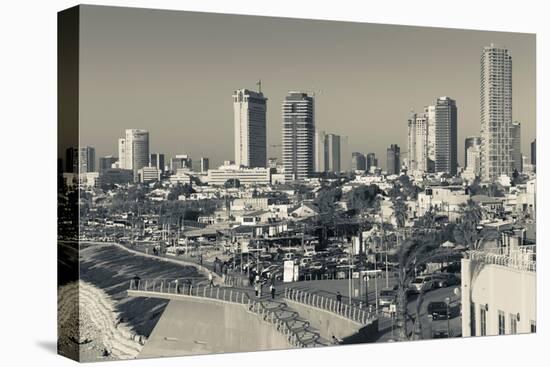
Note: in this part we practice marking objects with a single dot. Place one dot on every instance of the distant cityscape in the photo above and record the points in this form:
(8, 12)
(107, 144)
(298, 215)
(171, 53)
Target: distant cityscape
(307, 152)
(320, 246)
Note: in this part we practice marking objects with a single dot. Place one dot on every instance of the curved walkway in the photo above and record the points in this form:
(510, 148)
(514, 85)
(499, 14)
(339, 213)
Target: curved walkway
(286, 319)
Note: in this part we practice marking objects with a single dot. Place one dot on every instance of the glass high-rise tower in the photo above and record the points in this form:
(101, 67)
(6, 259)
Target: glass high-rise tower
(298, 135)
(496, 113)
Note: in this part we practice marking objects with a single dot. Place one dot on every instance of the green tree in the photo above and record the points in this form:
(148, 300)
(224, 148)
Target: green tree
(179, 190)
(469, 231)
(363, 198)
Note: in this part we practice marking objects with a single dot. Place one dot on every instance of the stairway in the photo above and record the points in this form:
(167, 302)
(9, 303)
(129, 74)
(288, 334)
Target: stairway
(308, 335)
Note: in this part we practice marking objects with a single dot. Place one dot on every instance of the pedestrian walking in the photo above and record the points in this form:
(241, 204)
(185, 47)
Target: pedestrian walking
(257, 289)
(136, 282)
(272, 290)
(177, 286)
(210, 279)
(339, 300)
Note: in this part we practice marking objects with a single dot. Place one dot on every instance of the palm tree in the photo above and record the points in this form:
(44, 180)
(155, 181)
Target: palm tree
(400, 212)
(469, 231)
(419, 249)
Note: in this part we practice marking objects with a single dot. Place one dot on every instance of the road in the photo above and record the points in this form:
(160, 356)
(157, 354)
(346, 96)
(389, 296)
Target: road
(428, 326)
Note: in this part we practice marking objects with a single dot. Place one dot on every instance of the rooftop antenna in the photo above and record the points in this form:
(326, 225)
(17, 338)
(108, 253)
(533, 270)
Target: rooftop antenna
(259, 84)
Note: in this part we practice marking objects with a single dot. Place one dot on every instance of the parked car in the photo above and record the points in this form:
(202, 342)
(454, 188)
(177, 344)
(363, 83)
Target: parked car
(438, 310)
(443, 280)
(267, 272)
(315, 265)
(387, 297)
(305, 261)
(422, 284)
(440, 334)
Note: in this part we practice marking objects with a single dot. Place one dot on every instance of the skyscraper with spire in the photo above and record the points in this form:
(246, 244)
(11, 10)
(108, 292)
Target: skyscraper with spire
(249, 111)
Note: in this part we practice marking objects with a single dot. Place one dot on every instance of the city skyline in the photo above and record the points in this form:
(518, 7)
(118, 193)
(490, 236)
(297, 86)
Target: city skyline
(172, 108)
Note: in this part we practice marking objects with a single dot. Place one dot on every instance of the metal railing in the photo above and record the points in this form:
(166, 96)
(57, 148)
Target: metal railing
(519, 261)
(185, 287)
(351, 312)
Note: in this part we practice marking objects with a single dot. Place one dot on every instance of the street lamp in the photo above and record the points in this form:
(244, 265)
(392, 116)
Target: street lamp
(448, 303)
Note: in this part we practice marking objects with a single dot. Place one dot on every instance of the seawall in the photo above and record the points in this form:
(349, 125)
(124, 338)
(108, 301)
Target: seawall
(192, 326)
(329, 324)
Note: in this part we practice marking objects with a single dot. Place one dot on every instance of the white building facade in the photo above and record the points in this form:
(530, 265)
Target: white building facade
(298, 135)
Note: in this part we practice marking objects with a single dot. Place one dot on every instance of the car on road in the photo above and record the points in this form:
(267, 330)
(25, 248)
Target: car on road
(422, 284)
(387, 297)
(440, 334)
(443, 280)
(438, 310)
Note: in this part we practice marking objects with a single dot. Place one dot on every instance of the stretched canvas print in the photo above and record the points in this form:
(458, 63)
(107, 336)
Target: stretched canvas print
(234, 183)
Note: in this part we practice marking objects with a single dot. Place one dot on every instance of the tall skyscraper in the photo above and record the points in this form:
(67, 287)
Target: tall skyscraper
(71, 160)
(358, 162)
(157, 160)
(345, 154)
(298, 135)
(496, 113)
(516, 146)
(470, 141)
(446, 135)
(106, 162)
(393, 160)
(534, 152)
(205, 164)
(181, 161)
(417, 142)
(334, 161)
(372, 161)
(136, 145)
(249, 110)
(473, 159)
(429, 112)
(80, 159)
(320, 151)
(122, 153)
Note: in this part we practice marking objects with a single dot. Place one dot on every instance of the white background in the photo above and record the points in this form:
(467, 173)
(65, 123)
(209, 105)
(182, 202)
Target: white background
(28, 187)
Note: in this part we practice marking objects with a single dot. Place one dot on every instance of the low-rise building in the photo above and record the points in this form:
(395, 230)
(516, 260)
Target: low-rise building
(149, 174)
(245, 176)
(499, 291)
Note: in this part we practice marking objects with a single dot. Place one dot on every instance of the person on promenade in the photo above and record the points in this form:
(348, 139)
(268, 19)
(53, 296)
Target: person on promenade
(339, 300)
(272, 290)
(136, 282)
(257, 289)
(177, 286)
(210, 279)
(251, 279)
(261, 287)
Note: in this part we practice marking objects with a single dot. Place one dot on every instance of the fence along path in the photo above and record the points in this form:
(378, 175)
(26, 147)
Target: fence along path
(353, 313)
(298, 332)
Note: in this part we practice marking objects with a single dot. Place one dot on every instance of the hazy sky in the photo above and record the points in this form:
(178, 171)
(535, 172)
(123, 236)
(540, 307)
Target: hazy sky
(173, 73)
